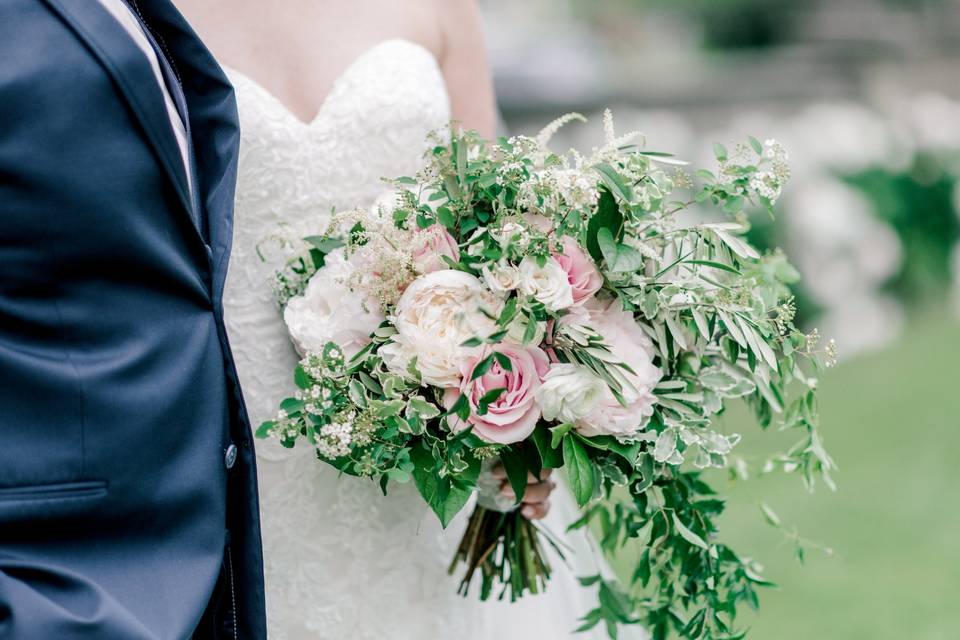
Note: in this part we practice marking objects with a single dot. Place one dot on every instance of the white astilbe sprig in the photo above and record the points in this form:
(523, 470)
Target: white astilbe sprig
(547, 133)
(611, 141)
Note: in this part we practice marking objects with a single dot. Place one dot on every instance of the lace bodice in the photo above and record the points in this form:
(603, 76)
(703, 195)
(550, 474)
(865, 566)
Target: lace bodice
(342, 561)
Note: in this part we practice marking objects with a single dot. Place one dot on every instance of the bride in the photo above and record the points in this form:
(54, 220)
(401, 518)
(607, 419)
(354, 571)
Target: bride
(332, 96)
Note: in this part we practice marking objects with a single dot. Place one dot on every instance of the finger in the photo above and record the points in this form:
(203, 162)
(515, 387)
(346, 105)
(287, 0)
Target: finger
(545, 473)
(535, 511)
(498, 472)
(533, 492)
(537, 492)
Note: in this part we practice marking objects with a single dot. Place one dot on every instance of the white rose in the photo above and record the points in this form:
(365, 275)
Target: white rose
(436, 314)
(548, 284)
(328, 311)
(569, 392)
(502, 279)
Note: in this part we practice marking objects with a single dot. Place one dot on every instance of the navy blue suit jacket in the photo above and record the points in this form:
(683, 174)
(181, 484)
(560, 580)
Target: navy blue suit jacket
(124, 511)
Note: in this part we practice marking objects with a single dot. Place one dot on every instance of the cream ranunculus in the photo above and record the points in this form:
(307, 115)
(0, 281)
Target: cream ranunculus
(329, 311)
(569, 392)
(548, 284)
(436, 314)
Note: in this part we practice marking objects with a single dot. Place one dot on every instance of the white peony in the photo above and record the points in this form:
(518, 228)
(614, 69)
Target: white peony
(502, 278)
(437, 313)
(329, 311)
(569, 392)
(548, 284)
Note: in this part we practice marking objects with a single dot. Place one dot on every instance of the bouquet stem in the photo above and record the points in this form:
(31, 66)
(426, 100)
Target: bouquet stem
(506, 548)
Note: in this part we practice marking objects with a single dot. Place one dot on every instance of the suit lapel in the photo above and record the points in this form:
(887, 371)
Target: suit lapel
(112, 46)
(213, 121)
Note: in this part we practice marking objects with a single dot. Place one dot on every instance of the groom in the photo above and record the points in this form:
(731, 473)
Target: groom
(128, 499)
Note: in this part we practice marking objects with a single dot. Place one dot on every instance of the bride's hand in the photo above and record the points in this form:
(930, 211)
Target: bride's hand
(536, 497)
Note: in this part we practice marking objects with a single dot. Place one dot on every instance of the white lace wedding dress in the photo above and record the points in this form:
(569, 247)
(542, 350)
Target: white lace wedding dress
(341, 560)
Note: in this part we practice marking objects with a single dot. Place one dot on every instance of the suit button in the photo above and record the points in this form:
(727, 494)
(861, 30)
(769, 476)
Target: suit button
(230, 457)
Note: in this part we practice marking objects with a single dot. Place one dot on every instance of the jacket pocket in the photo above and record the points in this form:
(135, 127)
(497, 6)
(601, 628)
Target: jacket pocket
(24, 507)
(54, 491)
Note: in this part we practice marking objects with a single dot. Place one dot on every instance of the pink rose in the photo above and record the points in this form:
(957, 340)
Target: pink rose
(631, 346)
(582, 274)
(429, 247)
(513, 415)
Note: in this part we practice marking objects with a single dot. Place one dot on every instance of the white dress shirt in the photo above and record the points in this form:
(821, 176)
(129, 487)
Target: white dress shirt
(119, 10)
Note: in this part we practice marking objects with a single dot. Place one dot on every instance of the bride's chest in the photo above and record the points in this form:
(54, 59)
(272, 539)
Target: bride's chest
(373, 124)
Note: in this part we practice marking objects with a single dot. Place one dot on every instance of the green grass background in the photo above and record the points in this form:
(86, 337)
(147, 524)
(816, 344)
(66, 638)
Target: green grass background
(891, 420)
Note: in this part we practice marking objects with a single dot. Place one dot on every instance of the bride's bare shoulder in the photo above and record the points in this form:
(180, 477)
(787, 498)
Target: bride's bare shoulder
(466, 69)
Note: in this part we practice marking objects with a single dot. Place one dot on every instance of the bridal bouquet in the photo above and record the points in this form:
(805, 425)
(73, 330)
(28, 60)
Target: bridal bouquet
(547, 310)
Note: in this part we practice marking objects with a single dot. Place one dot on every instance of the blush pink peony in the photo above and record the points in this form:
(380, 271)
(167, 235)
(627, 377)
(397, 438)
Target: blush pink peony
(631, 346)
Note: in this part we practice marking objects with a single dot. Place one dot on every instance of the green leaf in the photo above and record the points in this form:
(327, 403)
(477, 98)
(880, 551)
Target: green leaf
(757, 147)
(551, 457)
(263, 430)
(628, 451)
(489, 398)
(482, 367)
(628, 259)
(614, 181)
(689, 535)
(446, 218)
(720, 152)
(770, 514)
(398, 475)
(301, 379)
(608, 246)
(508, 313)
(324, 244)
(579, 470)
(646, 470)
(715, 265)
(530, 331)
(444, 498)
(503, 360)
(516, 470)
(558, 432)
(694, 628)
(423, 408)
(471, 342)
(292, 405)
(607, 216)
(588, 581)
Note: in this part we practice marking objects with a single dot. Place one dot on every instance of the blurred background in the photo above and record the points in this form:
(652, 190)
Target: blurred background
(865, 94)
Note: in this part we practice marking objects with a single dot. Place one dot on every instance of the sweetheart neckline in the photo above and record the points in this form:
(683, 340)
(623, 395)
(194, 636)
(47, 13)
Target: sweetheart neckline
(338, 81)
